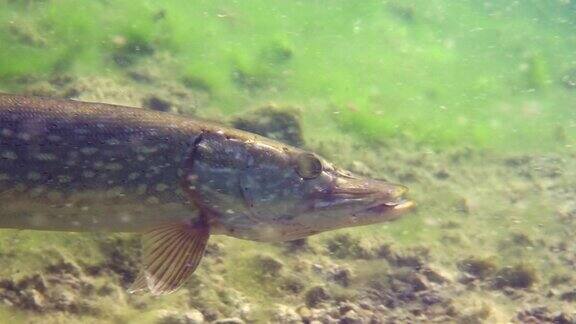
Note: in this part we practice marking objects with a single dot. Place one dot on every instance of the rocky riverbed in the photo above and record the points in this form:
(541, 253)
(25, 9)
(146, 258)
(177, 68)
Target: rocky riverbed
(491, 242)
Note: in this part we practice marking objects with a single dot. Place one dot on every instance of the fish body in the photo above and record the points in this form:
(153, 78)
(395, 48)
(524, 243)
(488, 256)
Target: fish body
(78, 166)
(81, 167)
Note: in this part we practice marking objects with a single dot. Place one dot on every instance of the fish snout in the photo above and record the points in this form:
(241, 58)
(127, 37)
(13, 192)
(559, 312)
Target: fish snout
(379, 196)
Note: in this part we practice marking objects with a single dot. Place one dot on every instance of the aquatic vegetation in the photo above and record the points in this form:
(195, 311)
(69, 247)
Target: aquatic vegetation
(519, 276)
(278, 123)
(377, 69)
(481, 268)
(470, 104)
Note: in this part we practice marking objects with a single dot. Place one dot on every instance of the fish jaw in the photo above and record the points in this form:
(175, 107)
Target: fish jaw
(264, 192)
(382, 200)
(351, 200)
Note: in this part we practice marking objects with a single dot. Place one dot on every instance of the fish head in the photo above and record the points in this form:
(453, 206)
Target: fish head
(285, 192)
(336, 198)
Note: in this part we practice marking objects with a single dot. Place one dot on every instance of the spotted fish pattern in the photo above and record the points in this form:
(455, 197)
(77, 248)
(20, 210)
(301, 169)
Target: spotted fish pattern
(78, 166)
(64, 168)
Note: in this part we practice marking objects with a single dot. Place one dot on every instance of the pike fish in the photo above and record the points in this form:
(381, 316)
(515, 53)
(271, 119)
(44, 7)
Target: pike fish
(77, 166)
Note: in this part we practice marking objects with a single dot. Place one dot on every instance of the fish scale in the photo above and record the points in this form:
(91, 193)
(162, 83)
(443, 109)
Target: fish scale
(59, 150)
(47, 150)
(77, 166)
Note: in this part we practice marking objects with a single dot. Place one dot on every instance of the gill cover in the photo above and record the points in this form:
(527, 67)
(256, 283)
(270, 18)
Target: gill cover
(241, 181)
(265, 191)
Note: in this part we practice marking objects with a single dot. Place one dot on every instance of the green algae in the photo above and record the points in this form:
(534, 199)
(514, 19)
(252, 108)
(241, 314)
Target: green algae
(447, 98)
(438, 72)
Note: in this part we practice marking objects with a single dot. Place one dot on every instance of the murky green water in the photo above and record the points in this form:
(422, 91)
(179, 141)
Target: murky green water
(471, 104)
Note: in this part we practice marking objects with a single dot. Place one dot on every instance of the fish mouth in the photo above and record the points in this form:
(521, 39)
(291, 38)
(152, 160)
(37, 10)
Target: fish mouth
(378, 197)
(400, 205)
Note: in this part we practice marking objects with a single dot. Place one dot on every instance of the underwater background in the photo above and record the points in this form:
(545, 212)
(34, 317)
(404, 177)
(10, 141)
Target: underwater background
(471, 104)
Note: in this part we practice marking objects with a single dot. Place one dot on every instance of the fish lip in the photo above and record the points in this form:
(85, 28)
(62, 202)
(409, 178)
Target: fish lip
(401, 204)
(405, 205)
(375, 202)
(370, 196)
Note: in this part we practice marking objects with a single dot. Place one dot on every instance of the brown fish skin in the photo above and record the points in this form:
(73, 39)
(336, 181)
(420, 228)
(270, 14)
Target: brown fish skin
(74, 166)
(77, 166)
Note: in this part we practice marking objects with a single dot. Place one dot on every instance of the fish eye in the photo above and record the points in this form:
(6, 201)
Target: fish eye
(308, 166)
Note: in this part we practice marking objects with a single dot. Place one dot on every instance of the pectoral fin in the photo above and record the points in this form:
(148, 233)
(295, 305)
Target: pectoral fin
(171, 253)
